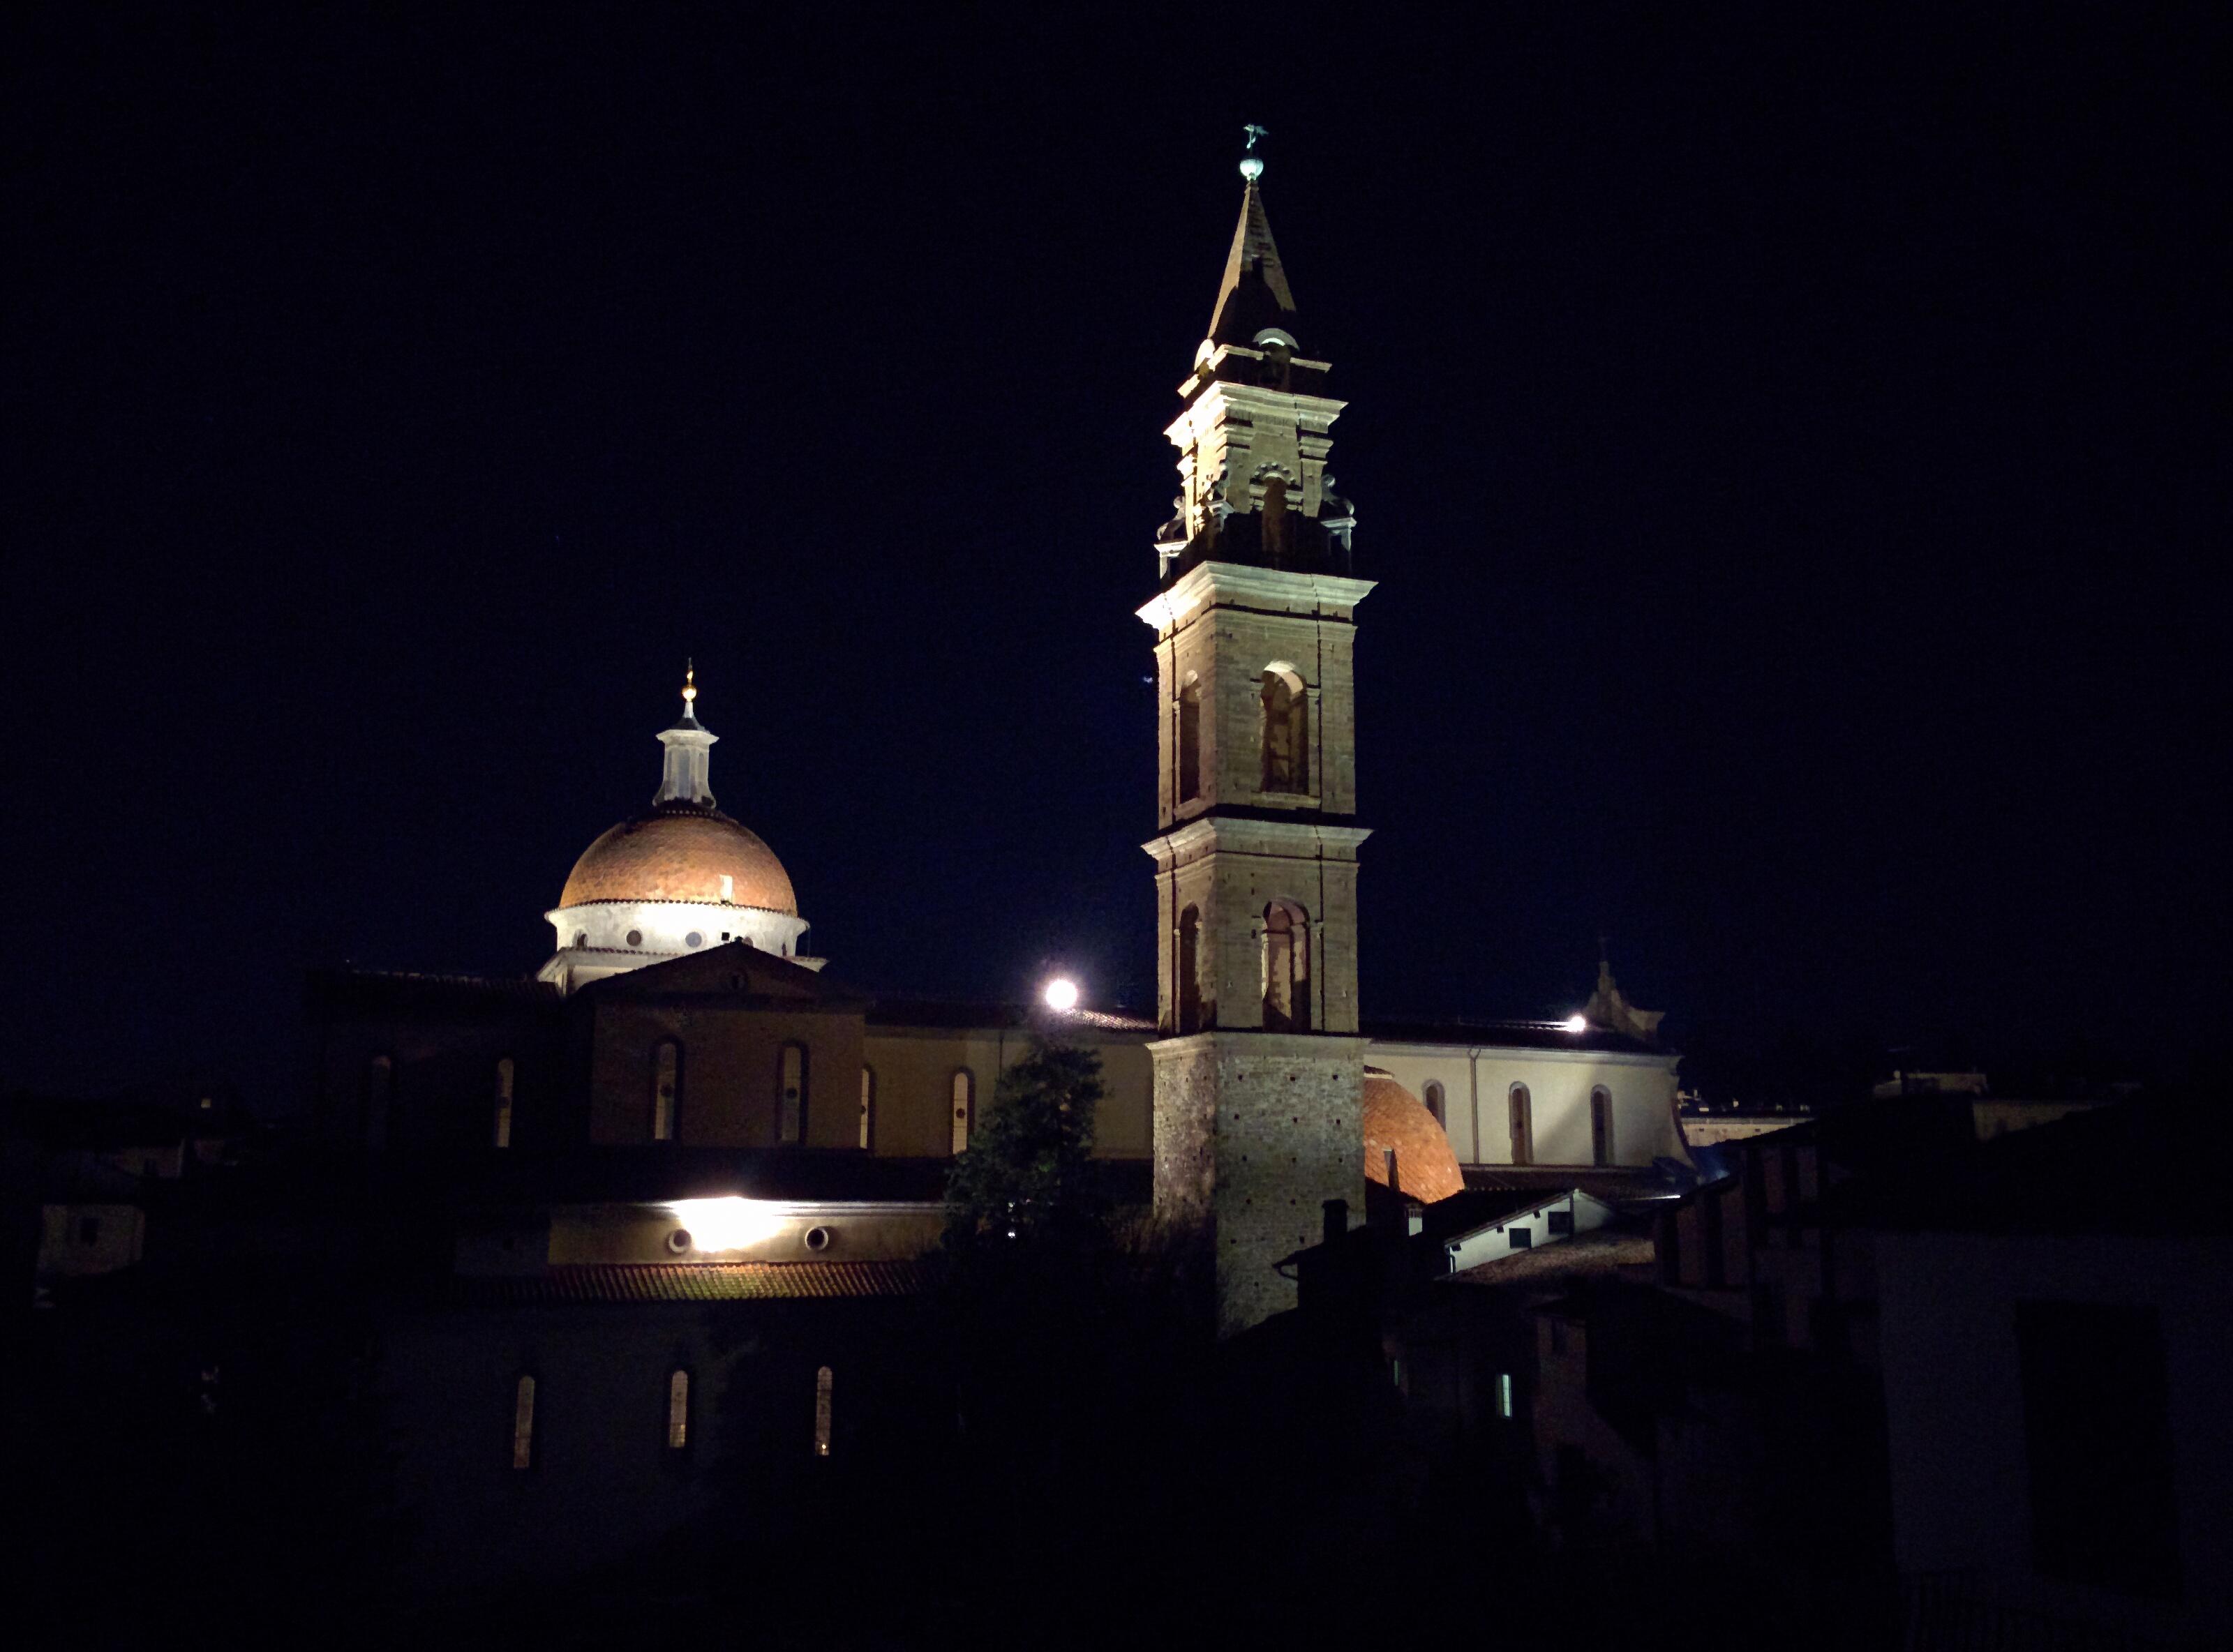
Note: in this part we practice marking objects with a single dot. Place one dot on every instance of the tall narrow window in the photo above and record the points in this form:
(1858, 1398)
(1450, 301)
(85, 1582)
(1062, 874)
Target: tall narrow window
(1189, 970)
(503, 1129)
(678, 1409)
(666, 1090)
(1600, 1126)
(378, 1101)
(791, 1093)
(1435, 1102)
(1523, 1126)
(1286, 733)
(1189, 741)
(522, 1423)
(868, 1108)
(822, 1385)
(1504, 1395)
(1287, 968)
(965, 1106)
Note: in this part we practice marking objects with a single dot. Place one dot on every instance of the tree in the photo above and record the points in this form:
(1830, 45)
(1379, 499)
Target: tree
(1027, 1177)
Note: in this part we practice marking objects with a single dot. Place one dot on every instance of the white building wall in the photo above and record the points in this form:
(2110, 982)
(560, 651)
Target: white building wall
(1477, 1081)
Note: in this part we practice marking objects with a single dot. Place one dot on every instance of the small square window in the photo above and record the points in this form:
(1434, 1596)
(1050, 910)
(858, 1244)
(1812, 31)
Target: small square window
(1562, 1221)
(1522, 1238)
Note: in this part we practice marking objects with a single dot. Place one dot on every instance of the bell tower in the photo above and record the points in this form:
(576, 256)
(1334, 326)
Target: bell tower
(1259, 1075)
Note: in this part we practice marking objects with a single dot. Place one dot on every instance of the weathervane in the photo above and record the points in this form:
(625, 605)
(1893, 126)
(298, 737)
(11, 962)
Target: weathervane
(1252, 164)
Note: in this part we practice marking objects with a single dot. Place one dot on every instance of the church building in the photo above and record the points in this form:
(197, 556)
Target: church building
(684, 1111)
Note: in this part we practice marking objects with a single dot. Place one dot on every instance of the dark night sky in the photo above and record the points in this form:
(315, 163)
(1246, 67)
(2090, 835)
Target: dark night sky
(1793, 454)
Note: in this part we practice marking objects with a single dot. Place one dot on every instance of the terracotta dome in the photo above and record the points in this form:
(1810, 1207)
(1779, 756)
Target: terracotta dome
(682, 855)
(1426, 1165)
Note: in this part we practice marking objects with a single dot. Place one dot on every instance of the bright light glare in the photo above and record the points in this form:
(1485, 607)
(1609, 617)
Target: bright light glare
(1576, 1023)
(1061, 994)
(728, 1223)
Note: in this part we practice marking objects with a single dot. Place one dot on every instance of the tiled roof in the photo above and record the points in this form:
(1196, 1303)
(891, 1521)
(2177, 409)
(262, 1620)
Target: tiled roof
(1611, 1251)
(949, 1013)
(1615, 1184)
(698, 1282)
(677, 852)
(1426, 1168)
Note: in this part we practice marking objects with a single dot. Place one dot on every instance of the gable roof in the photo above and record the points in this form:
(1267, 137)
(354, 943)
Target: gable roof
(735, 971)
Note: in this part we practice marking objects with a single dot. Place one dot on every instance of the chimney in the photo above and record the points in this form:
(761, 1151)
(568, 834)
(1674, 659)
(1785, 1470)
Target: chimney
(1334, 1220)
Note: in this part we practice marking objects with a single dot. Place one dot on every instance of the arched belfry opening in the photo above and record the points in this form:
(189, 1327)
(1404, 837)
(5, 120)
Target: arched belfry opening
(1286, 731)
(1287, 968)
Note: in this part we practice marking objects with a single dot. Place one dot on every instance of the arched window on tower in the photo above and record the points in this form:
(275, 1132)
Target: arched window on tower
(1600, 1126)
(791, 1093)
(1190, 741)
(1287, 968)
(1189, 970)
(965, 1107)
(1521, 1110)
(502, 1134)
(868, 1108)
(1435, 1102)
(667, 1091)
(1287, 731)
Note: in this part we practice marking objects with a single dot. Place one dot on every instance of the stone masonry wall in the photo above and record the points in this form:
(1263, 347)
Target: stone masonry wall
(1254, 1132)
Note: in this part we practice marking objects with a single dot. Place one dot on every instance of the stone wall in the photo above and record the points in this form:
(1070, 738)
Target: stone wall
(1254, 1132)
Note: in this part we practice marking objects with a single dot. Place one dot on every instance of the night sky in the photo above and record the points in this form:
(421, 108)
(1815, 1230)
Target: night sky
(1793, 452)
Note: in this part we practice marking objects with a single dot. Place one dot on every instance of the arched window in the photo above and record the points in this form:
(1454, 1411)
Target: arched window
(821, 1386)
(1287, 968)
(1523, 1125)
(1435, 1102)
(1286, 733)
(377, 1101)
(1600, 1126)
(1189, 970)
(522, 1422)
(678, 1409)
(667, 1091)
(502, 1131)
(868, 1108)
(1189, 741)
(965, 1107)
(791, 1093)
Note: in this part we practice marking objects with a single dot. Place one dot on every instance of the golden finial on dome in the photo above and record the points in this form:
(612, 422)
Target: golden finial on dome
(689, 686)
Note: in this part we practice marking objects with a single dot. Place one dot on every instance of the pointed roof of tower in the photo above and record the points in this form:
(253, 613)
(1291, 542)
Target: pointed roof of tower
(1254, 294)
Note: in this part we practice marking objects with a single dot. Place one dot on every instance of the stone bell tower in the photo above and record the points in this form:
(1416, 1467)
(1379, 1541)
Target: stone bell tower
(1259, 1072)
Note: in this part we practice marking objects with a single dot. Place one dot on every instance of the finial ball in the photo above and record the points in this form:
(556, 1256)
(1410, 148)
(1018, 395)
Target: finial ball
(1252, 164)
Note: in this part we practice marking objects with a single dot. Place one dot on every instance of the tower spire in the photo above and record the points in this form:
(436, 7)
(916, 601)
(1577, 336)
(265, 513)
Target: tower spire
(1254, 294)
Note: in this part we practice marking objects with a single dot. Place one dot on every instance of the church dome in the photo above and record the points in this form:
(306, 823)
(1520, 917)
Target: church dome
(1426, 1164)
(681, 854)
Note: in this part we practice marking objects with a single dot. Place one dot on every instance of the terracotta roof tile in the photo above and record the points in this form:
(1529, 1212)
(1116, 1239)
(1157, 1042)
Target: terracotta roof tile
(679, 854)
(700, 1282)
(1426, 1165)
